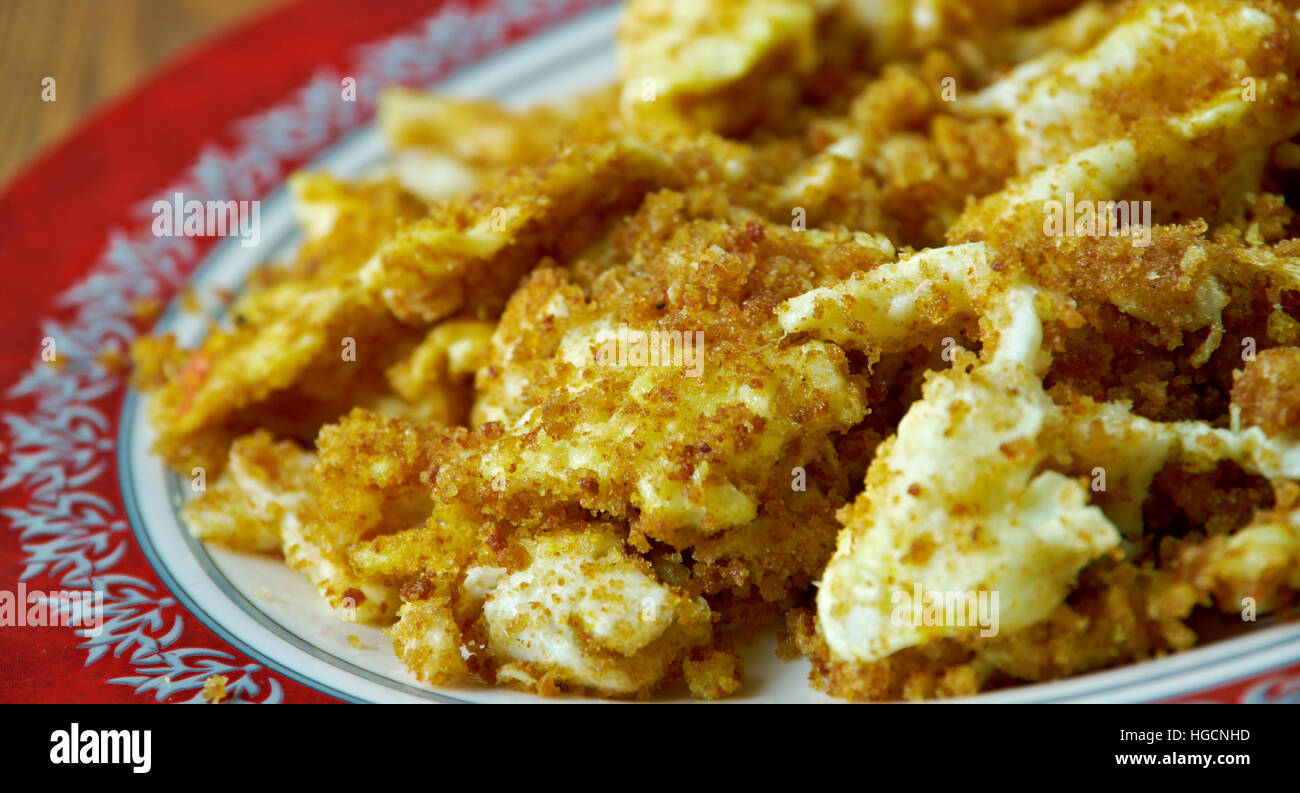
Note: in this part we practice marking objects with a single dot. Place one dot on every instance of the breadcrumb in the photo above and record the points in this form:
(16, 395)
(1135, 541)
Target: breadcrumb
(214, 689)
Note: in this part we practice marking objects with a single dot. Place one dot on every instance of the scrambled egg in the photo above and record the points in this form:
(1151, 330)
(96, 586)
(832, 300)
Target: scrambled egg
(586, 614)
(954, 502)
(687, 64)
(472, 255)
(776, 329)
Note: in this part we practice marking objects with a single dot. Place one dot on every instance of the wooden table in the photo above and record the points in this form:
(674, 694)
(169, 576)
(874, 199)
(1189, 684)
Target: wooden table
(94, 50)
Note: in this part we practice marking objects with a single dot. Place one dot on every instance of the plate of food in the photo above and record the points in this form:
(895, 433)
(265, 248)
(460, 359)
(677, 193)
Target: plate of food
(742, 350)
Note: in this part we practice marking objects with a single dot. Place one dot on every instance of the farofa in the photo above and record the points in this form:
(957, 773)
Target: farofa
(905, 380)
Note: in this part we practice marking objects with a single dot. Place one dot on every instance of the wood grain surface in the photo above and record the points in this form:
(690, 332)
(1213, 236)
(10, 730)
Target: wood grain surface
(94, 50)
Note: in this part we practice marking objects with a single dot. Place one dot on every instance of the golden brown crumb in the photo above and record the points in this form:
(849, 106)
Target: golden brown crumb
(146, 308)
(1268, 391)
(214, 689)
(712, 674)
(190, 302)
(113, 360)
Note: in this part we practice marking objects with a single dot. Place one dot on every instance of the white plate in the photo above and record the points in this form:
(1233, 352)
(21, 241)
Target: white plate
(288, 626)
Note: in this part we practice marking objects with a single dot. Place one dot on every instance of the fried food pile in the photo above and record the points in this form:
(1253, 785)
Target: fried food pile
(784, 326)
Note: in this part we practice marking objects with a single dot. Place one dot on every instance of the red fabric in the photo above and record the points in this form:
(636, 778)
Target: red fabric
(54, 218)
(1276, 686)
